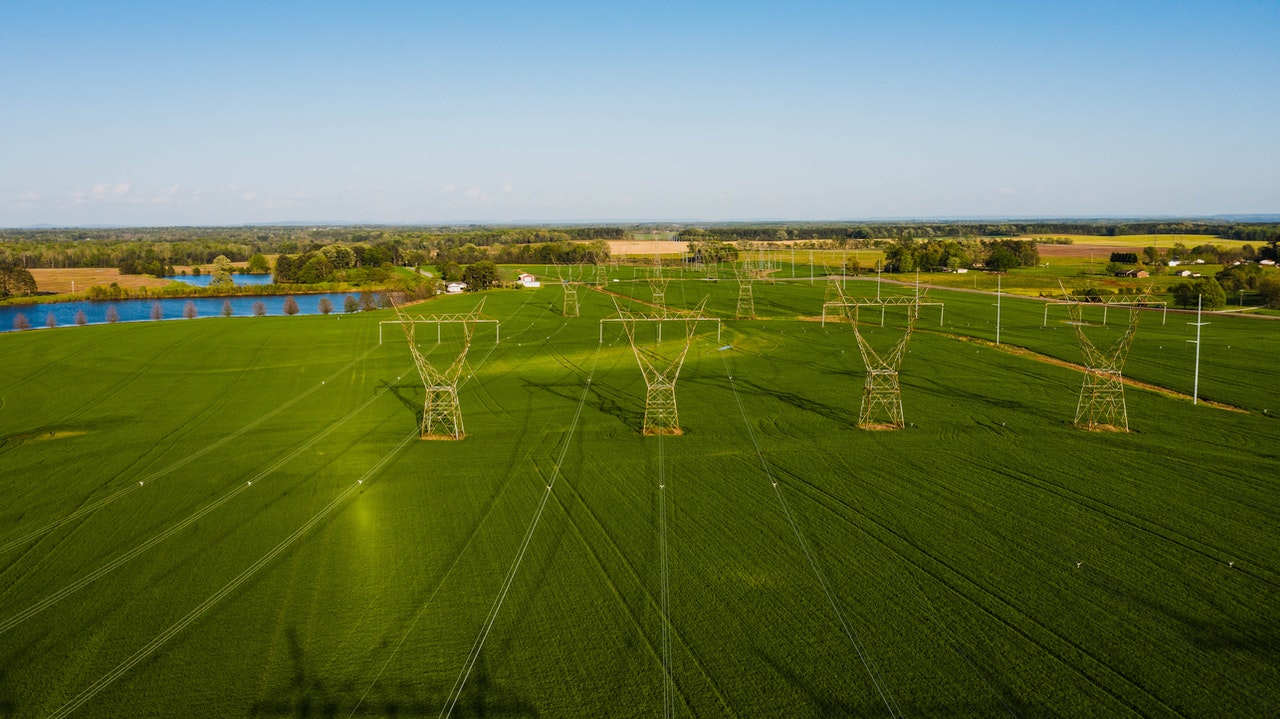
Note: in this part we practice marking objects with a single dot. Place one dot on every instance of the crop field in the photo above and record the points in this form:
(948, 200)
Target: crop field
(234, 517)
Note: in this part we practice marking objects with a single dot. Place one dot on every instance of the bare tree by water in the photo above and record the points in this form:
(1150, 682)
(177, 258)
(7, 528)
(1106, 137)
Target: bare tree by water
(50, 321)
(290, 306)
(259, 309)
(227, 310)
(325, 306)
(350, 304)
(113, 315)
(189, 310)
(81, 319)
(156, 312)
(20, 322)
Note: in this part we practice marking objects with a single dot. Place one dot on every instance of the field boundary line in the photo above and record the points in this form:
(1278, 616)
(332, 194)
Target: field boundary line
(90, 508)
(867, 663)
(121, 669)
(132, 554)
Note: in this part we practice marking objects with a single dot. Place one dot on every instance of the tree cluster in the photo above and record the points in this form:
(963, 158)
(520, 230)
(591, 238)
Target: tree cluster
(909, 254)
(334, 263)
(1207, 292)
(16, 282)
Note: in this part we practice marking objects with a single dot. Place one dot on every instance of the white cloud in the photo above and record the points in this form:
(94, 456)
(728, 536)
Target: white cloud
(101, 192)
(506, 187)
(26, 199)
(448, 187)
(477, 195)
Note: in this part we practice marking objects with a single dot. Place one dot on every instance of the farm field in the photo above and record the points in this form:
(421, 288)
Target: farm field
(222, 518)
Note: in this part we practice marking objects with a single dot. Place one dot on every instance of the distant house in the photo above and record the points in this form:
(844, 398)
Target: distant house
(1132, 273)
(1199, 261)
(527, 280)
(1184, 273)
(1174, 263)
(1266, 262)
(455, 288)
(961, 270)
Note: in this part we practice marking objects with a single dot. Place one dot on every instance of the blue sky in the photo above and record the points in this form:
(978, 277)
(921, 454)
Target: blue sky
(151, 113)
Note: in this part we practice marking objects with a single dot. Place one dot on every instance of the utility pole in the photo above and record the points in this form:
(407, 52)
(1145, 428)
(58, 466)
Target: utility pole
(997, 310)
(1195, 388)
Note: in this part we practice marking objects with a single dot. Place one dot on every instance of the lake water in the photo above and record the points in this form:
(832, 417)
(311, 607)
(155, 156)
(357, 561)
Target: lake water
(203, 280)
(64, 313)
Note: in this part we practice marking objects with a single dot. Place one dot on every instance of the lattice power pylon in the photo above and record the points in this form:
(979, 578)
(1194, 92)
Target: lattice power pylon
(602, 271)
(658, 283)
(441, 413)
(881, 392)
(570, 294)
(746, 294)
(660, 371)
(1101, 405)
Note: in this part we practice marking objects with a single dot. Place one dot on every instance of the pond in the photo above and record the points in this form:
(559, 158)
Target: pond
(64, 313)
(203, 280)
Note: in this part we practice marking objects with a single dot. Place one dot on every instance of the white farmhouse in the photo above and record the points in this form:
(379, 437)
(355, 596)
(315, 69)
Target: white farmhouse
(527, 280)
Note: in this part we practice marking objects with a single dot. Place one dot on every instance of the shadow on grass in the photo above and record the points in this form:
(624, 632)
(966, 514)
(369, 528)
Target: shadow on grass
(308, 696)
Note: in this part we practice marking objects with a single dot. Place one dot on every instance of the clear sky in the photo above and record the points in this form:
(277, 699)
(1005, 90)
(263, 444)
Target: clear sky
(159, 113)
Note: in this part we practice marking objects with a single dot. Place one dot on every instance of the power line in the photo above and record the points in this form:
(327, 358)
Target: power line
(174, 629)
(131, 487)
(455, 692)
(867, 664)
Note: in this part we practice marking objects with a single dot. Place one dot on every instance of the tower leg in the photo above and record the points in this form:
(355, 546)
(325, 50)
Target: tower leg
(881, 401)
(441, 414)
(660, 410)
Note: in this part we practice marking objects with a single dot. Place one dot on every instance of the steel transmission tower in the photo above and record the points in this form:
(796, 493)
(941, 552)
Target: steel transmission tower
(746, 294)
(660, 371)
(658, 283)
(881, 392)
(570, 293)
(1101, 405)
(441, 413)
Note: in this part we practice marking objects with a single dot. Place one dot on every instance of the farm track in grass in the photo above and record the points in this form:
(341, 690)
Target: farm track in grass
(1128, 381)
(953, 545)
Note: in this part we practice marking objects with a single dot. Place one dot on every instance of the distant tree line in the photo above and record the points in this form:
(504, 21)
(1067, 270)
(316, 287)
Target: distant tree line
(787, 232)
(145, 250)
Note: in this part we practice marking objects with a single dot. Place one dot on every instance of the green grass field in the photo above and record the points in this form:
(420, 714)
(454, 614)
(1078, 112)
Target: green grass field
(989, 560)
